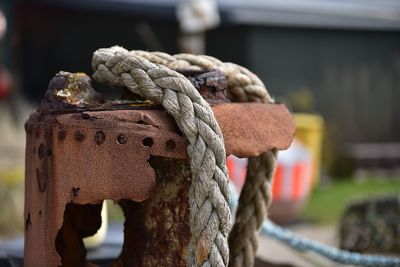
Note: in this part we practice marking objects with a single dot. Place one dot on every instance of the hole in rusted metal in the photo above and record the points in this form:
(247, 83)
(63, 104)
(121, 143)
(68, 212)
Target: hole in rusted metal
(79, 136)
(79, 221)
(75, 191)
(148, 141)
(170, 145)
(41, 151)
(62, 134)
(122, 139)
(99, 138)
(49, 153)
(85, 116)
(40, 212)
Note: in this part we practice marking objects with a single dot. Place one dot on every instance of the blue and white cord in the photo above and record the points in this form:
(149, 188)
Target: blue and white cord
(303, 244)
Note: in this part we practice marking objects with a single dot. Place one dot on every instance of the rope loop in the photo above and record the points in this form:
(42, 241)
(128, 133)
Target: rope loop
(153, 76)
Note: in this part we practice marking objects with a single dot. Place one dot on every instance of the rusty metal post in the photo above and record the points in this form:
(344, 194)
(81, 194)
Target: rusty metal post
(77, 158)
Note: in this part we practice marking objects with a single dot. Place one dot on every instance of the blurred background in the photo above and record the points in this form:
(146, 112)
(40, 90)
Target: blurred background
(334, 63)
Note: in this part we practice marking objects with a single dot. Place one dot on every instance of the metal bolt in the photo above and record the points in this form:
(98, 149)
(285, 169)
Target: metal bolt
(99, 138)
(122, 139)
(79, 136)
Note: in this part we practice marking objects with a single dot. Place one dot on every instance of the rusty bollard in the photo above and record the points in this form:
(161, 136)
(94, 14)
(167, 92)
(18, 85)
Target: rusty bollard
(81, 153)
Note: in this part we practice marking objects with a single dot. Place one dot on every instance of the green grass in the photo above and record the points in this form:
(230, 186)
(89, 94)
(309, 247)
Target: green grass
(327, 203)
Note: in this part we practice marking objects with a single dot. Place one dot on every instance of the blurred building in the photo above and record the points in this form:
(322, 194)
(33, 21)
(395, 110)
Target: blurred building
(338, 58)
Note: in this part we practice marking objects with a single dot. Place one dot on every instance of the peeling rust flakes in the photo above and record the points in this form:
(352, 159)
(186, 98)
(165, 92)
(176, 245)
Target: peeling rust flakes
(166, 215)
(211, 84)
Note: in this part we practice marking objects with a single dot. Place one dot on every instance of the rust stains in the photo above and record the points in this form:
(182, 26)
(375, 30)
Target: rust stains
(250, 129)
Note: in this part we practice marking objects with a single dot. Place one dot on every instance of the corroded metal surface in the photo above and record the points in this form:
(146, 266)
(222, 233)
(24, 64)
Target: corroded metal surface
(210, 84)
(83, 158)
(250, 129)
(157, 231)
(68, 90)
(80, 153)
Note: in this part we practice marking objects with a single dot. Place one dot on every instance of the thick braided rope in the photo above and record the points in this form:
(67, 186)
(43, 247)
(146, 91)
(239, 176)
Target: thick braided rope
(243, 86)
(251, 213)
(209, 192)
